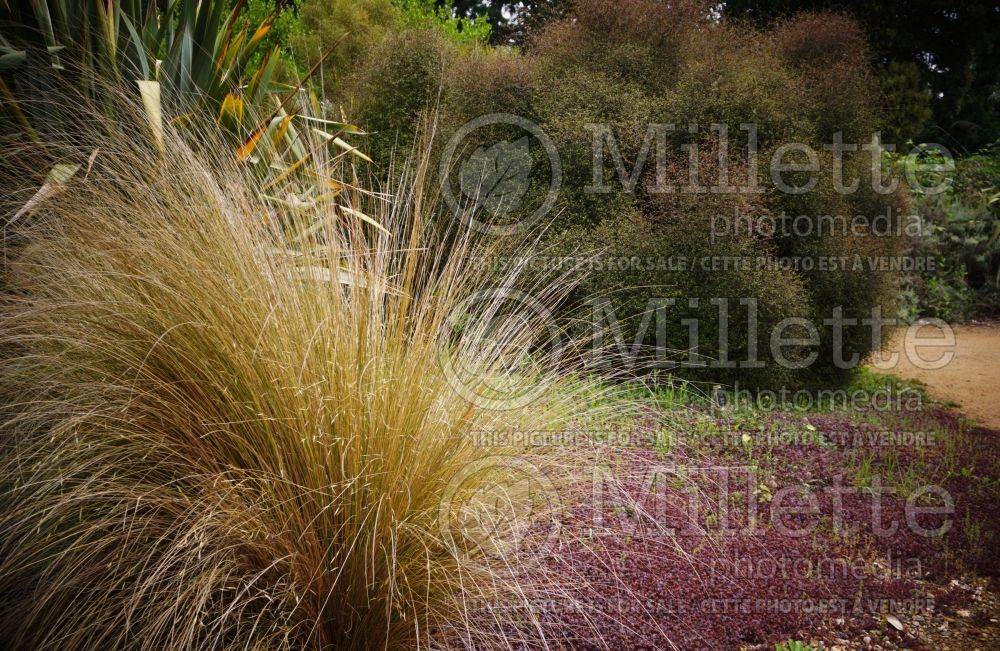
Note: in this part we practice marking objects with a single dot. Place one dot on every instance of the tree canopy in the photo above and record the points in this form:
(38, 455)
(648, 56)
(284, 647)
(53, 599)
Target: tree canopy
(952, 44)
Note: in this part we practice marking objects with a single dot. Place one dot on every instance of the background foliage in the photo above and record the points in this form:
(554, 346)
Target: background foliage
(960, 232)
(952, 44)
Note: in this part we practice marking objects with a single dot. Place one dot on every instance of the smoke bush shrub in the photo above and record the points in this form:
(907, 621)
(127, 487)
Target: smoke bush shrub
(629, 64)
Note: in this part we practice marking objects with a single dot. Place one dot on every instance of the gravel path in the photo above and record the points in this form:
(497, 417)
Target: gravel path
(972, 377)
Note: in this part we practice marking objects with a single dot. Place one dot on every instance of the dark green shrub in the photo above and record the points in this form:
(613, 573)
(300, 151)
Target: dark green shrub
(403, 77)
(905, 102)
(960, 232)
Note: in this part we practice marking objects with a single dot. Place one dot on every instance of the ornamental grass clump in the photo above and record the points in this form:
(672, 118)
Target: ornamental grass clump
(231, 422)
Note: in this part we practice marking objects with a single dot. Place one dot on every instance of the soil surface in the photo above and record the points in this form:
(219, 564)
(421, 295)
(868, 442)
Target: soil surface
(971, 379)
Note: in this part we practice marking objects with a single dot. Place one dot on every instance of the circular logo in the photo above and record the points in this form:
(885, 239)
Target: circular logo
(498, 347)
(494, 179)
(501, 509)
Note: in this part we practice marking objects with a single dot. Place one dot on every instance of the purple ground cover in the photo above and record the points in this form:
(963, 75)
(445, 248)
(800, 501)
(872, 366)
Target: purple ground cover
(740, 531)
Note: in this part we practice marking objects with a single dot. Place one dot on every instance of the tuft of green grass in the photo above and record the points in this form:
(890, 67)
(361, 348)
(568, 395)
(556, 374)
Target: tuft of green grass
(793, 645)
(225, 429)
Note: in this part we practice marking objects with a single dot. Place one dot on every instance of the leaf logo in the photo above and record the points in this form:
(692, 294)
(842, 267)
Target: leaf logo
(497, 178)
(491, 190)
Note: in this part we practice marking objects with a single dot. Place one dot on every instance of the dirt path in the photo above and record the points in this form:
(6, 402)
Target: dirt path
(971, 379)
